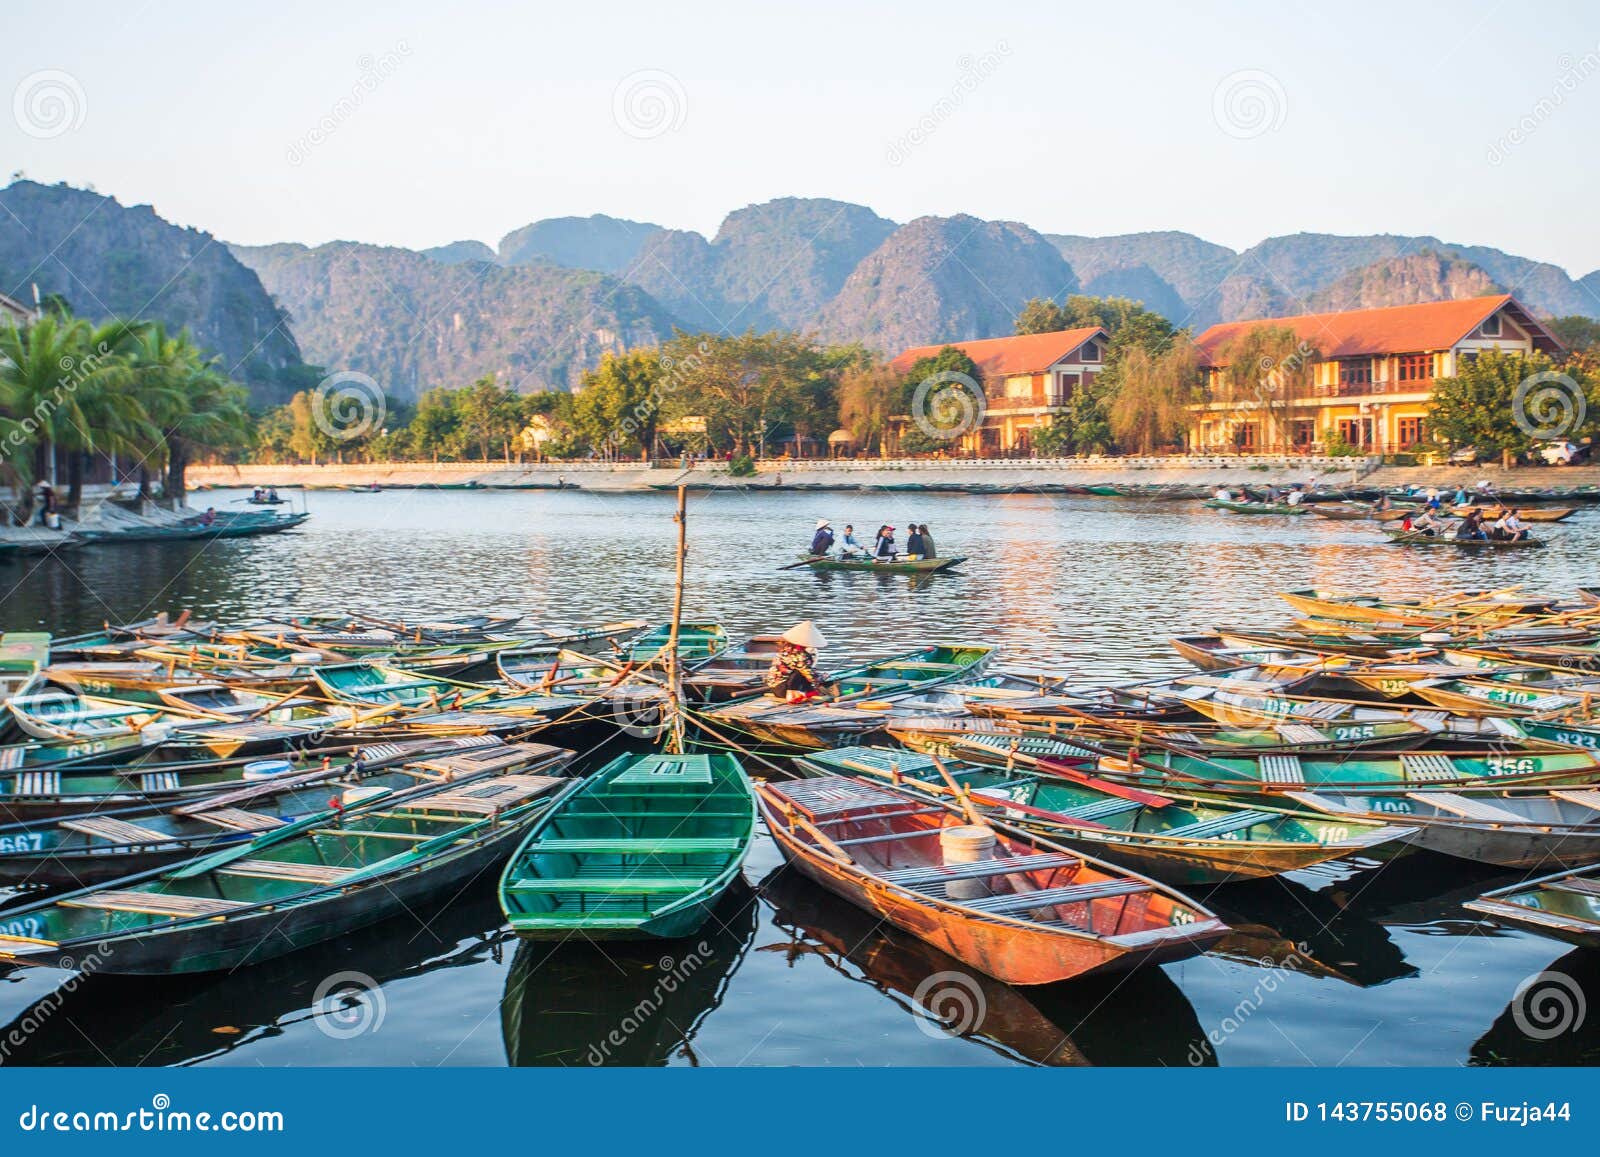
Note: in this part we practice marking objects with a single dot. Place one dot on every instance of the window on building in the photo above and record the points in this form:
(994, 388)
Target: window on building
(1065, 384)
(1410, 431)
(1356, 431)
(1303, 431)
(1091, 351)
(1491, 326)
(1247, 436)
(1355, 372)
(1020, 387)
(1414, 367)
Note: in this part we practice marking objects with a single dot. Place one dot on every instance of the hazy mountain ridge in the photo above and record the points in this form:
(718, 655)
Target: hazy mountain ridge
(113, 260)
(560, 293)
(412, 322)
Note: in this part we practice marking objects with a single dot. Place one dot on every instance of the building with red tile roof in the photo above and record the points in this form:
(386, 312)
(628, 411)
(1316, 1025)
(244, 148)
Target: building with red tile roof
(1371, 374)
(1026, 381)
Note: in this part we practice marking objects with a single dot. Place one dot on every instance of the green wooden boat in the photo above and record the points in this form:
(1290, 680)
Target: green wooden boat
(1564, 906)
(1177, 838)
(111, 842)
(1257, 507)
(902, 566)
(301, 883)
(695, 641)
(377, 686)
(43, 790)
(1412, 538)
(1400, 772)
(643, 849)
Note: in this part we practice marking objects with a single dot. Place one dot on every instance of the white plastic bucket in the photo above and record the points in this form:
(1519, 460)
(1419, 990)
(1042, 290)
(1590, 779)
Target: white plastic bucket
(966, 845)
(267, 768)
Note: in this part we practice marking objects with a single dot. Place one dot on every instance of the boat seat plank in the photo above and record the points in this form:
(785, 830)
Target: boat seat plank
(1299, 733)
(620, 885)
(285, 870)
(238, 820)
(1585, 797)
(117, 831)
(486, 799)
(1428, 768)
(1461, 805)
(37, 783)
(1284, 770)
(979, 870)
(1221, 826)
(1050, 897)
(1102, 809)
(155, 903)
(642, 846)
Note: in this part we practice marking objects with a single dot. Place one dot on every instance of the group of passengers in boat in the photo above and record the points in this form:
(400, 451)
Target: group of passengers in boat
(919, 543)
(1472, 527)
(1292, 495)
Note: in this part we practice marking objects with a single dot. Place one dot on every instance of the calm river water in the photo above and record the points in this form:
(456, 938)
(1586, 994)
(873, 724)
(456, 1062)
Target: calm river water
(1383, 969)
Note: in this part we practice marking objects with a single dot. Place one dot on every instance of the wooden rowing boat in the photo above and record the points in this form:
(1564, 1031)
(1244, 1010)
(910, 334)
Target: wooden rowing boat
(1564, 906)
(732, 674)
(898, 566)
(30, 792)
(1033, 912)
(108, 843)
(1180, 839)
(695, 641)
(1535, 828)
(1257, 507)
(300, 883)
(1414, 538)
(643, 849)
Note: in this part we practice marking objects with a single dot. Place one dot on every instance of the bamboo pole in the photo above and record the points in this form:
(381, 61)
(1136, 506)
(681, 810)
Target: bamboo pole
(674, 670)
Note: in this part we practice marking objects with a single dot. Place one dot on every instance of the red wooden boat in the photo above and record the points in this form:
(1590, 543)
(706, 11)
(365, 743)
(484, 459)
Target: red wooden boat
(1033, 913)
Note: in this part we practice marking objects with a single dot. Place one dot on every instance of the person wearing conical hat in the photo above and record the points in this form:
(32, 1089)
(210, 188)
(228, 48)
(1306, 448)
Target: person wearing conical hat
(793, 675)
(822, 540)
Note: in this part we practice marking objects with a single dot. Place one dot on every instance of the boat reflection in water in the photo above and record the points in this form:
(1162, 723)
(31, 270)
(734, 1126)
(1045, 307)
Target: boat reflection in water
(180, 1020)
(1553, 1017)
(578, 1003)
(1136, 1018)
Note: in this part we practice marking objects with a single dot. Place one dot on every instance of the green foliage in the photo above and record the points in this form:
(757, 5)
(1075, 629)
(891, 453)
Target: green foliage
(619, 407)
(1577, 333)
(1487, 405)
(1336, 445)
(741, 466)
(1153, 392)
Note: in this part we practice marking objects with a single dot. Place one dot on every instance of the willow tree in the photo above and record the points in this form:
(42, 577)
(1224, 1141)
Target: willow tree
(1267, 369)
(1155, 390)
(868, 397)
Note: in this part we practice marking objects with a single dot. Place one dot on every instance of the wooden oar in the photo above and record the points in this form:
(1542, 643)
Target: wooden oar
(804, 562)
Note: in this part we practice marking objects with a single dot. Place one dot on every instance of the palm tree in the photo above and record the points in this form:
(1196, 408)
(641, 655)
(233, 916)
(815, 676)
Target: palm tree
(36, 365)
(102, 411)
(194, 406)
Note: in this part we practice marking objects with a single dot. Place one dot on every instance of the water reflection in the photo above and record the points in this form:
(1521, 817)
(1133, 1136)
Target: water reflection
(1553, 1017)
(177, 1020)
(1140, 1018)
(582, 1003)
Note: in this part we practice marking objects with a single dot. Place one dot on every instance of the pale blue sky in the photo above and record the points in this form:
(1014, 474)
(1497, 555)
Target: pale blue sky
(1093, 119)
